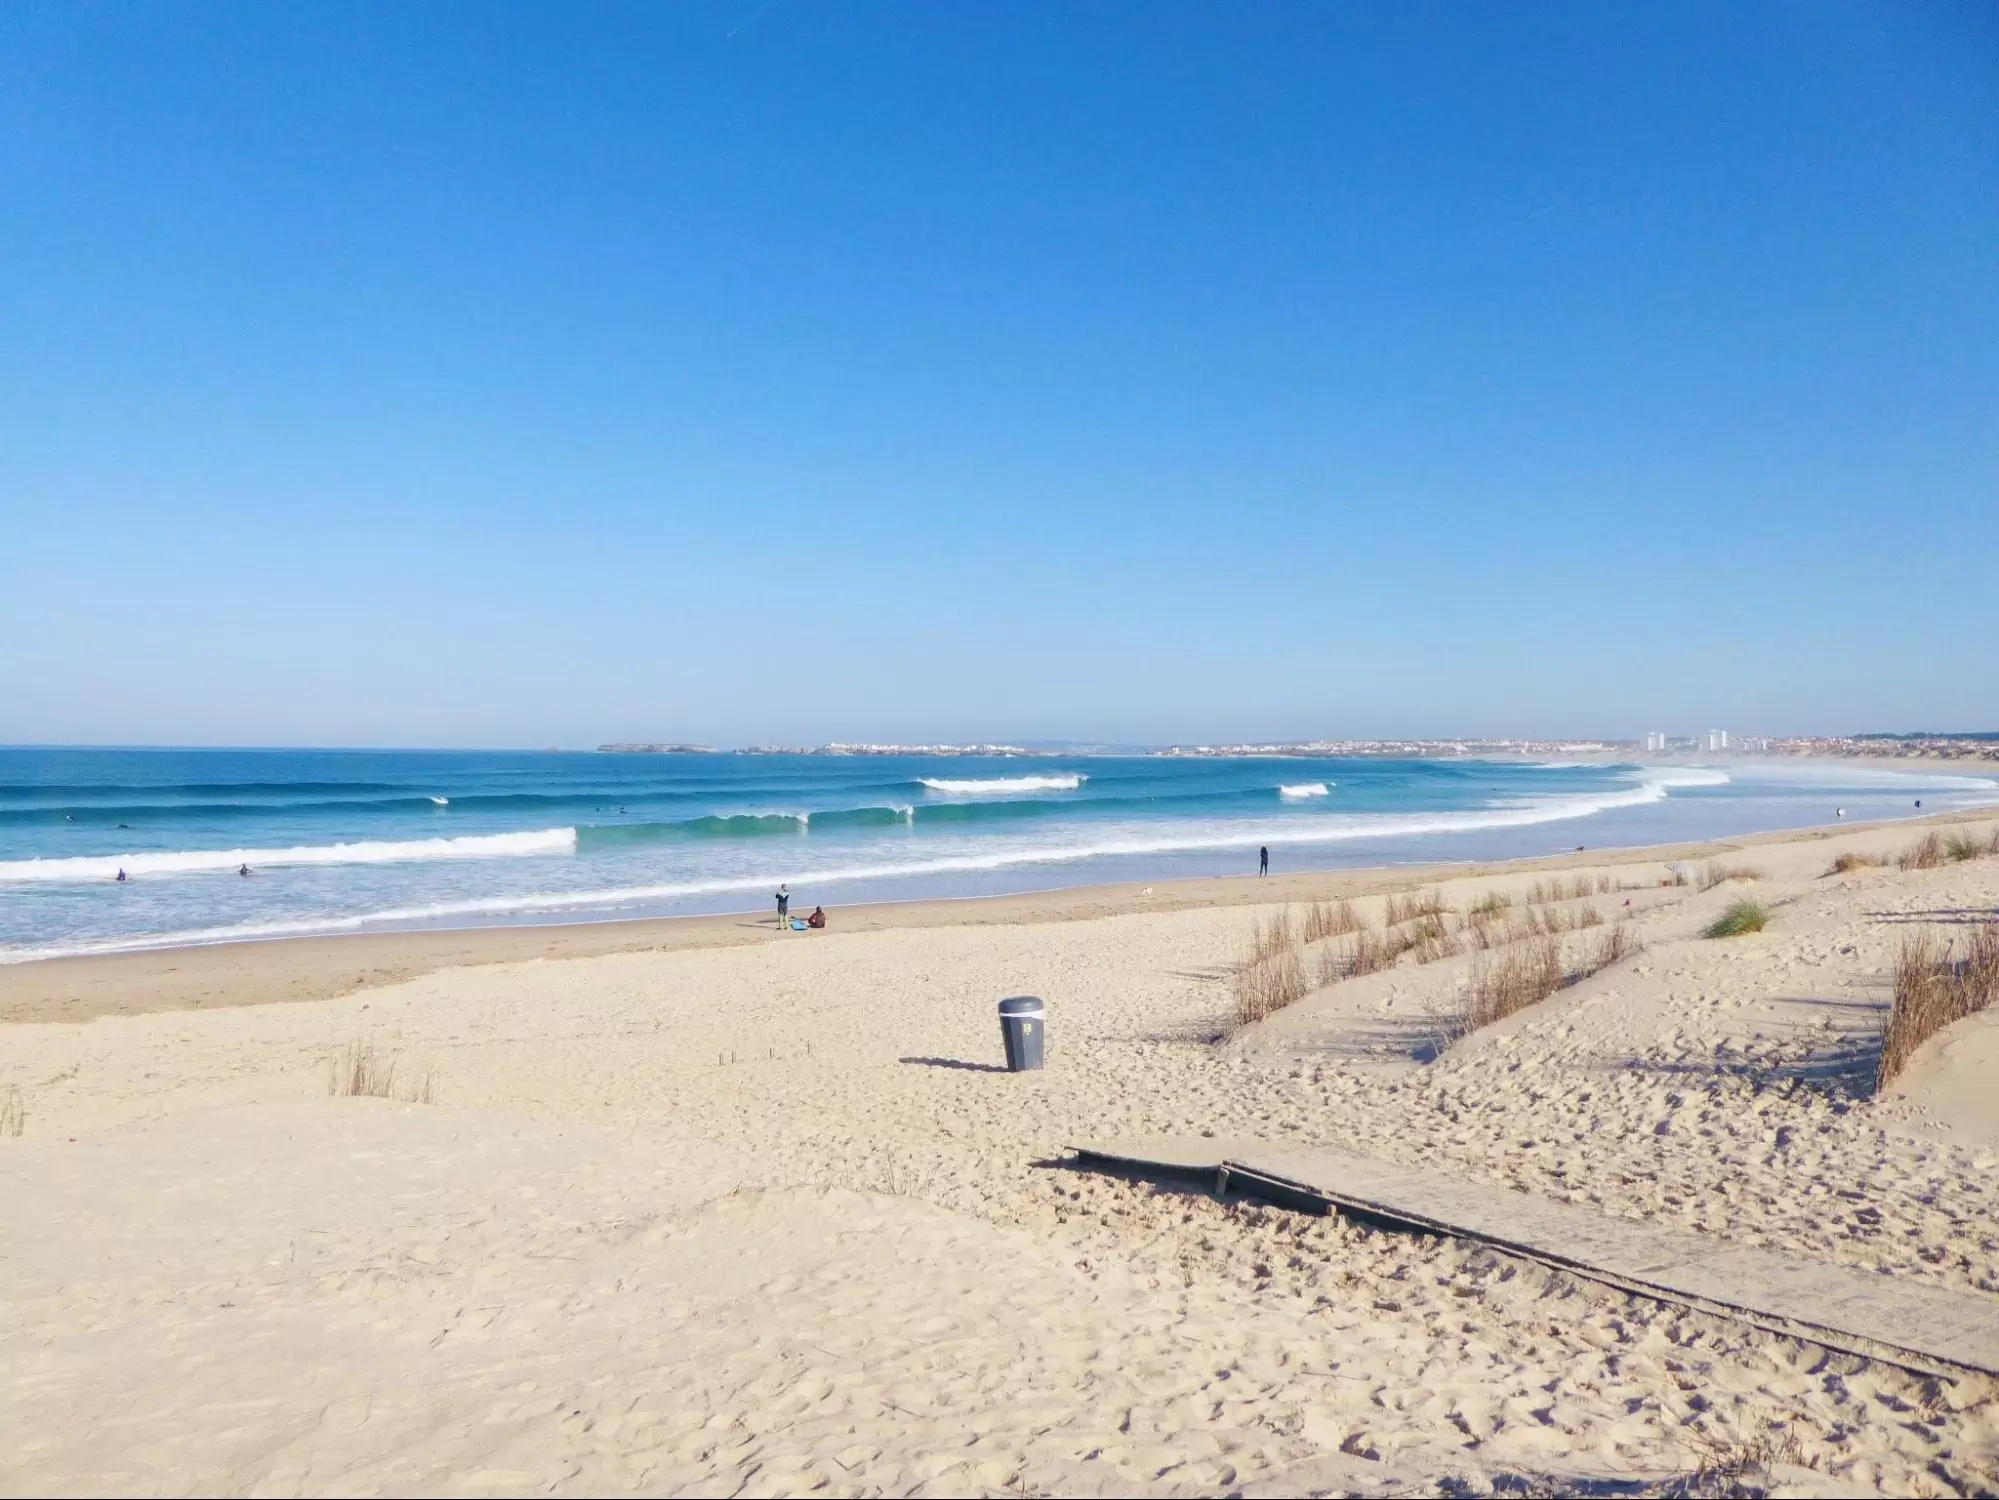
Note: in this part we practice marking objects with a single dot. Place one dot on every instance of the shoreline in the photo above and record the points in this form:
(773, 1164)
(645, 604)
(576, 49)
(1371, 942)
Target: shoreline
(259, 971)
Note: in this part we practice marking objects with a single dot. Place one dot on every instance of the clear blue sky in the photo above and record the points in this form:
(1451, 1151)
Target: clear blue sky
(470, 374)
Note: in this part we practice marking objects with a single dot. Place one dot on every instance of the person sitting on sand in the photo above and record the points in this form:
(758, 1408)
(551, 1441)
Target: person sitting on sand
(818, 917)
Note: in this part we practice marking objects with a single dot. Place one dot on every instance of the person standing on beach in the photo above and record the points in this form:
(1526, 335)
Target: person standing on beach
(1263, 860)
(783, 904)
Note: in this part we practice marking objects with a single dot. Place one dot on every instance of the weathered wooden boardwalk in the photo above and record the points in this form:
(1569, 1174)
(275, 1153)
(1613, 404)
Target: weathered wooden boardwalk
(1887, 1317)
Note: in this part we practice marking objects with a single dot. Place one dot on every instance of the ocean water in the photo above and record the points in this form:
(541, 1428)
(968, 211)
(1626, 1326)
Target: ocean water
(343, 841)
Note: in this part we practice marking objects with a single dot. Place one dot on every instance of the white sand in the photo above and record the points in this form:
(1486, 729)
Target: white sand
(741, 1219)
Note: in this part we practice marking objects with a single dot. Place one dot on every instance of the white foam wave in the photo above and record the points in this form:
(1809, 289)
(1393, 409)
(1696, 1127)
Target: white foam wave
(201, 861)
(442, 801)
(1110, 842)
(1672, 776)
(1305, 789)
(1068, 782)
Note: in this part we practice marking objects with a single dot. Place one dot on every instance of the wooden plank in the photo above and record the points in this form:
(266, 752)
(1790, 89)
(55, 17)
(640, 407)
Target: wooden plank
(1906, 1322)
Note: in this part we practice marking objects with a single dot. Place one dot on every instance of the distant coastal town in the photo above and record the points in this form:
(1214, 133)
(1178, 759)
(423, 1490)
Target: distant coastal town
(1918, 746)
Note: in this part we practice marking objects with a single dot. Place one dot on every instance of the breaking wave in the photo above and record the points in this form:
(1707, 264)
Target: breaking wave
(1067, 782)
(1303, 790)
(140, 863)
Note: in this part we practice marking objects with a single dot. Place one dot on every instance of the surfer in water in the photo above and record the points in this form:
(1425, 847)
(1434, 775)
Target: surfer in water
(121, 873)
(244, 870)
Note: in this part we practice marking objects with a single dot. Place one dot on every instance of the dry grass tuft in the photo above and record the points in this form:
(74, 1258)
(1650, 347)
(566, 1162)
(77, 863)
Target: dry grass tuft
(1370, 955)
(1271, 937)
(1490, 904)
(1846, 864)
(1266, 985)
(1961, 845)
(1330, 967)
(1739, 1463)
(13, 1112)
(363, 1071)
(1926, 853)
(1933, 988)
(1433, 941)
(1741, 917)
(1272, 974)
(1402, 909)
(1507, 982)
(1713, 875)
(1325, 921)
(1611, 947)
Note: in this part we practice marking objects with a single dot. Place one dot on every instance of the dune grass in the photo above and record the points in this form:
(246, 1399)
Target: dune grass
(364, 1071)
(1713, 875)
(1935, 987)
(1509, 980)
(1412, 908)
(13, 1112)
(1489, 904)
(1926, 853)
(1271, 974)
(1325, 920)
(1740, 917)
(1846, 864)
(1505, 981)
(1960, 845)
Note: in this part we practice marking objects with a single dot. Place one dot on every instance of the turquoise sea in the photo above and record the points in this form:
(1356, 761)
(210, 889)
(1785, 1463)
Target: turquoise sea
(341, 841)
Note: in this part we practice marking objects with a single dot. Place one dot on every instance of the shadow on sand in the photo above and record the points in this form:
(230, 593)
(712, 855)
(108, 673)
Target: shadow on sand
(953, 1062)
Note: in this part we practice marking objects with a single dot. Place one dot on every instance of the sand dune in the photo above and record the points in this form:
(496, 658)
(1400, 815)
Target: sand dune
(766, 1218)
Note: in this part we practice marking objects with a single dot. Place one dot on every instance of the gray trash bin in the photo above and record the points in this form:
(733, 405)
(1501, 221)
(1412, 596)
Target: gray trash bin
(1024, 1025)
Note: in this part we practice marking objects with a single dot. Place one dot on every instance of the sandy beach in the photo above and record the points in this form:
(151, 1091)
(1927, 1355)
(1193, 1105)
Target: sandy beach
(702, 1206)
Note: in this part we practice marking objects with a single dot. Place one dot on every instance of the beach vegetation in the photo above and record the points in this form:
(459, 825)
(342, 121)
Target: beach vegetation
(1271, 937)
(1432, 941)
(1740, 917)
(1509, 980)
(1412, 908)
(1489, 904)
(1713, 875)
(1961, 844)
(1926, 853)
(1935, 986)
(1505, 981)
(1846, 864)
(1369, 955)
(1272, 973)
(365, 1071)
(1612, 946)
(1330, 919)
(13, 1112)
(1266, 985)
